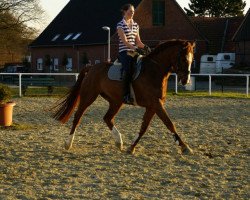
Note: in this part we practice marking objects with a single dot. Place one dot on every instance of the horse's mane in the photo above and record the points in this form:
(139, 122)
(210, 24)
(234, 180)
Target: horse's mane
(165, 45)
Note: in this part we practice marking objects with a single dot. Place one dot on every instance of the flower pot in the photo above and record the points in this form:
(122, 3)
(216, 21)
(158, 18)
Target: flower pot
(6, 111)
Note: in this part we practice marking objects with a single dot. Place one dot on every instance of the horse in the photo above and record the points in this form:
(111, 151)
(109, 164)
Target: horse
(150, 88)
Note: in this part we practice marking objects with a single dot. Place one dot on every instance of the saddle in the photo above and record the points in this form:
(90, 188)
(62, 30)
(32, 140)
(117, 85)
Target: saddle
(116, 70)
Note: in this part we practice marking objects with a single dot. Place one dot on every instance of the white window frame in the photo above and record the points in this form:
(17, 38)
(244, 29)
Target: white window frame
(39, 64)
(97, 61)
(55, 64)
(69, 66)
(68, 36)
(56, 37)
(76, 36)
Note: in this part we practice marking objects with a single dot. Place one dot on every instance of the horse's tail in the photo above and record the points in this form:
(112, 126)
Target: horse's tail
(66, 106)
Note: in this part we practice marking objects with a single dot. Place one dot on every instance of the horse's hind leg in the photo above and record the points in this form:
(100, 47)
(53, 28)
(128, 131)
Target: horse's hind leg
(162, 114)
(148, 115)
(85, 102)
(109, 120)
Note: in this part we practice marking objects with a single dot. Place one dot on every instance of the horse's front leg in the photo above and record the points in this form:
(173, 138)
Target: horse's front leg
(109, 120)
(148, 115)
(162, 114)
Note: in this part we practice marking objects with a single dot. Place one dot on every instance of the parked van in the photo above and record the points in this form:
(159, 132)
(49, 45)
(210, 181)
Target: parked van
(224, 61)
(208, 64)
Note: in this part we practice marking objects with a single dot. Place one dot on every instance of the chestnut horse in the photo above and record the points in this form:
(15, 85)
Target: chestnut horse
(149, 88)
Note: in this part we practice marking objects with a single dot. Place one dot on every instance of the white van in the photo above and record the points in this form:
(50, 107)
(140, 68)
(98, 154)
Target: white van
(208, 64)
(224, 61)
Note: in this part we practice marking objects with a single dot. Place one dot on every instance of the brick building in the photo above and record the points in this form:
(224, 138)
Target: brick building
(76, 33)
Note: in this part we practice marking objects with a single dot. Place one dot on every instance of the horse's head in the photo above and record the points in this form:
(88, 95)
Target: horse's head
(184, 61)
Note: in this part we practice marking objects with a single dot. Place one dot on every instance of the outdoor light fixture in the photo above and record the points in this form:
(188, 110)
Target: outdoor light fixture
(106, 28)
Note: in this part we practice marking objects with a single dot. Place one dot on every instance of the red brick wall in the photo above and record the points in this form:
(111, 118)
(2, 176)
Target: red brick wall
(97, 52)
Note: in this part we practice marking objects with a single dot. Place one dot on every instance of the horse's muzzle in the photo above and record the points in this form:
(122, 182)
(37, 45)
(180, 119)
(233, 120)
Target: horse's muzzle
(184, 78)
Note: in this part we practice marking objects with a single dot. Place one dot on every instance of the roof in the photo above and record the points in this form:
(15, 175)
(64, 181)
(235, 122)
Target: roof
(219, 31)
(243, 32)
(74, 26)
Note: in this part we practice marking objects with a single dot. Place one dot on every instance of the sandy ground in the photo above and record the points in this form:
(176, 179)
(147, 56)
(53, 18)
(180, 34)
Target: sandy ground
(34, 164)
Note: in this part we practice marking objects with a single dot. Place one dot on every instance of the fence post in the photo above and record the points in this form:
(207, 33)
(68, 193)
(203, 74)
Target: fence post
(176, 84)
(20, 84)
(210, 85)
(247, 86)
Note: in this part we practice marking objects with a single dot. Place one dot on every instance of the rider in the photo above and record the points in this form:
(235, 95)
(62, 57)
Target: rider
(129, 40)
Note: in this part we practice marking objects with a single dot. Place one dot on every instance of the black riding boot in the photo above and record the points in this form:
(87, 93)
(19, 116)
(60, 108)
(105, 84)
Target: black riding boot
(127, 81)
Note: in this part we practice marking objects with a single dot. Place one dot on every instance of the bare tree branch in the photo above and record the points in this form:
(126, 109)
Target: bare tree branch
(23, 10)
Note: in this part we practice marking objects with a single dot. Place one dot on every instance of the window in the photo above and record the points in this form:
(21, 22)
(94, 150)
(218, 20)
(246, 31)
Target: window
(227, 57)
(69, 65)
(158, 12)
(97, 61)
(210, 59)
(55, 64)
(39, 64)
(76, 36)
(56, 37)
(68, 36)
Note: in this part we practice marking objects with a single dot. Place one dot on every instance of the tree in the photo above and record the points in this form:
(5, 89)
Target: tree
(15, 34)
(85, 59)
(65, 60)
(47, 63)
(22, 11)
(215, 8)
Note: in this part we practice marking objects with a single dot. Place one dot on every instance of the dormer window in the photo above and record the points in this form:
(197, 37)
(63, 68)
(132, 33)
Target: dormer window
(56, 37)
(76, 36)
(68, 36)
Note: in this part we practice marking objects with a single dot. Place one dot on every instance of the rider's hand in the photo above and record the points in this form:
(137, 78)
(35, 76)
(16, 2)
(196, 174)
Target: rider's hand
(147, 49)
(140, 51)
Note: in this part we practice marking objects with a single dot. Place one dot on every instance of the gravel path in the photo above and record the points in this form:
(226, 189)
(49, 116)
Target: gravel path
(34, 165)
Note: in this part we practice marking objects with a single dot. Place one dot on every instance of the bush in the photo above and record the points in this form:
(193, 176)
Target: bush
(5, 94)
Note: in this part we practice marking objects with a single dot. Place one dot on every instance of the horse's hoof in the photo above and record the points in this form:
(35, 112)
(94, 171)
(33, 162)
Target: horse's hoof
(67, 146)
(186, 150)
(119, 146)
(131, 150)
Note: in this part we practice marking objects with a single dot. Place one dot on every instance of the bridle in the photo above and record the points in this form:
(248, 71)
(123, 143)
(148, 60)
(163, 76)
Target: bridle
(177, 70)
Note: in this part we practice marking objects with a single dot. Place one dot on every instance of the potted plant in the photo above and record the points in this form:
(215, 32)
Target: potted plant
(6, 106)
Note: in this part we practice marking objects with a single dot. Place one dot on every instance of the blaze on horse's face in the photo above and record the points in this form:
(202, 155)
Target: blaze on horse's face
(184, 64)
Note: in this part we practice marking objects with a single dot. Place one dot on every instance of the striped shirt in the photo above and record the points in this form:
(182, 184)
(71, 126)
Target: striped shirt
(130, 34)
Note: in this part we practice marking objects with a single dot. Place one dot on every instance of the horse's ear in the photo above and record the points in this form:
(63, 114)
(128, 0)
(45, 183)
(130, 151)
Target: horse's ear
(193, 44)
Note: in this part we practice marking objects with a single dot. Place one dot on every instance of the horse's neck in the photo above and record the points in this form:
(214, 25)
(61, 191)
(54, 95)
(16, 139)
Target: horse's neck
(164, 64)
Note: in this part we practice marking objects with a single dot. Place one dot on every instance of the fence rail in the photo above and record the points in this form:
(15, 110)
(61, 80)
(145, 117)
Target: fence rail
(175, 82)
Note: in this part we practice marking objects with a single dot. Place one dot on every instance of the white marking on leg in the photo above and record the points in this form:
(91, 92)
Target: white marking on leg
(175, 139)
(190, 60)
(117, 135)
(69, 142)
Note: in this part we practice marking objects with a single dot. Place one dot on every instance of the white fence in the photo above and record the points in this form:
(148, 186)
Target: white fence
(176, 78)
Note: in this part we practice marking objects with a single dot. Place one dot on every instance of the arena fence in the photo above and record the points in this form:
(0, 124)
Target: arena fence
(208, 82)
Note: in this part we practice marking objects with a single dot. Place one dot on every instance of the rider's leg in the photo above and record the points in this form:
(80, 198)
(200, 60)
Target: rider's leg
(127, 62)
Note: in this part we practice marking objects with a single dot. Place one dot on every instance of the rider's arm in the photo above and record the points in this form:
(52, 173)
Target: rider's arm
(123, 37)
(138, 41)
